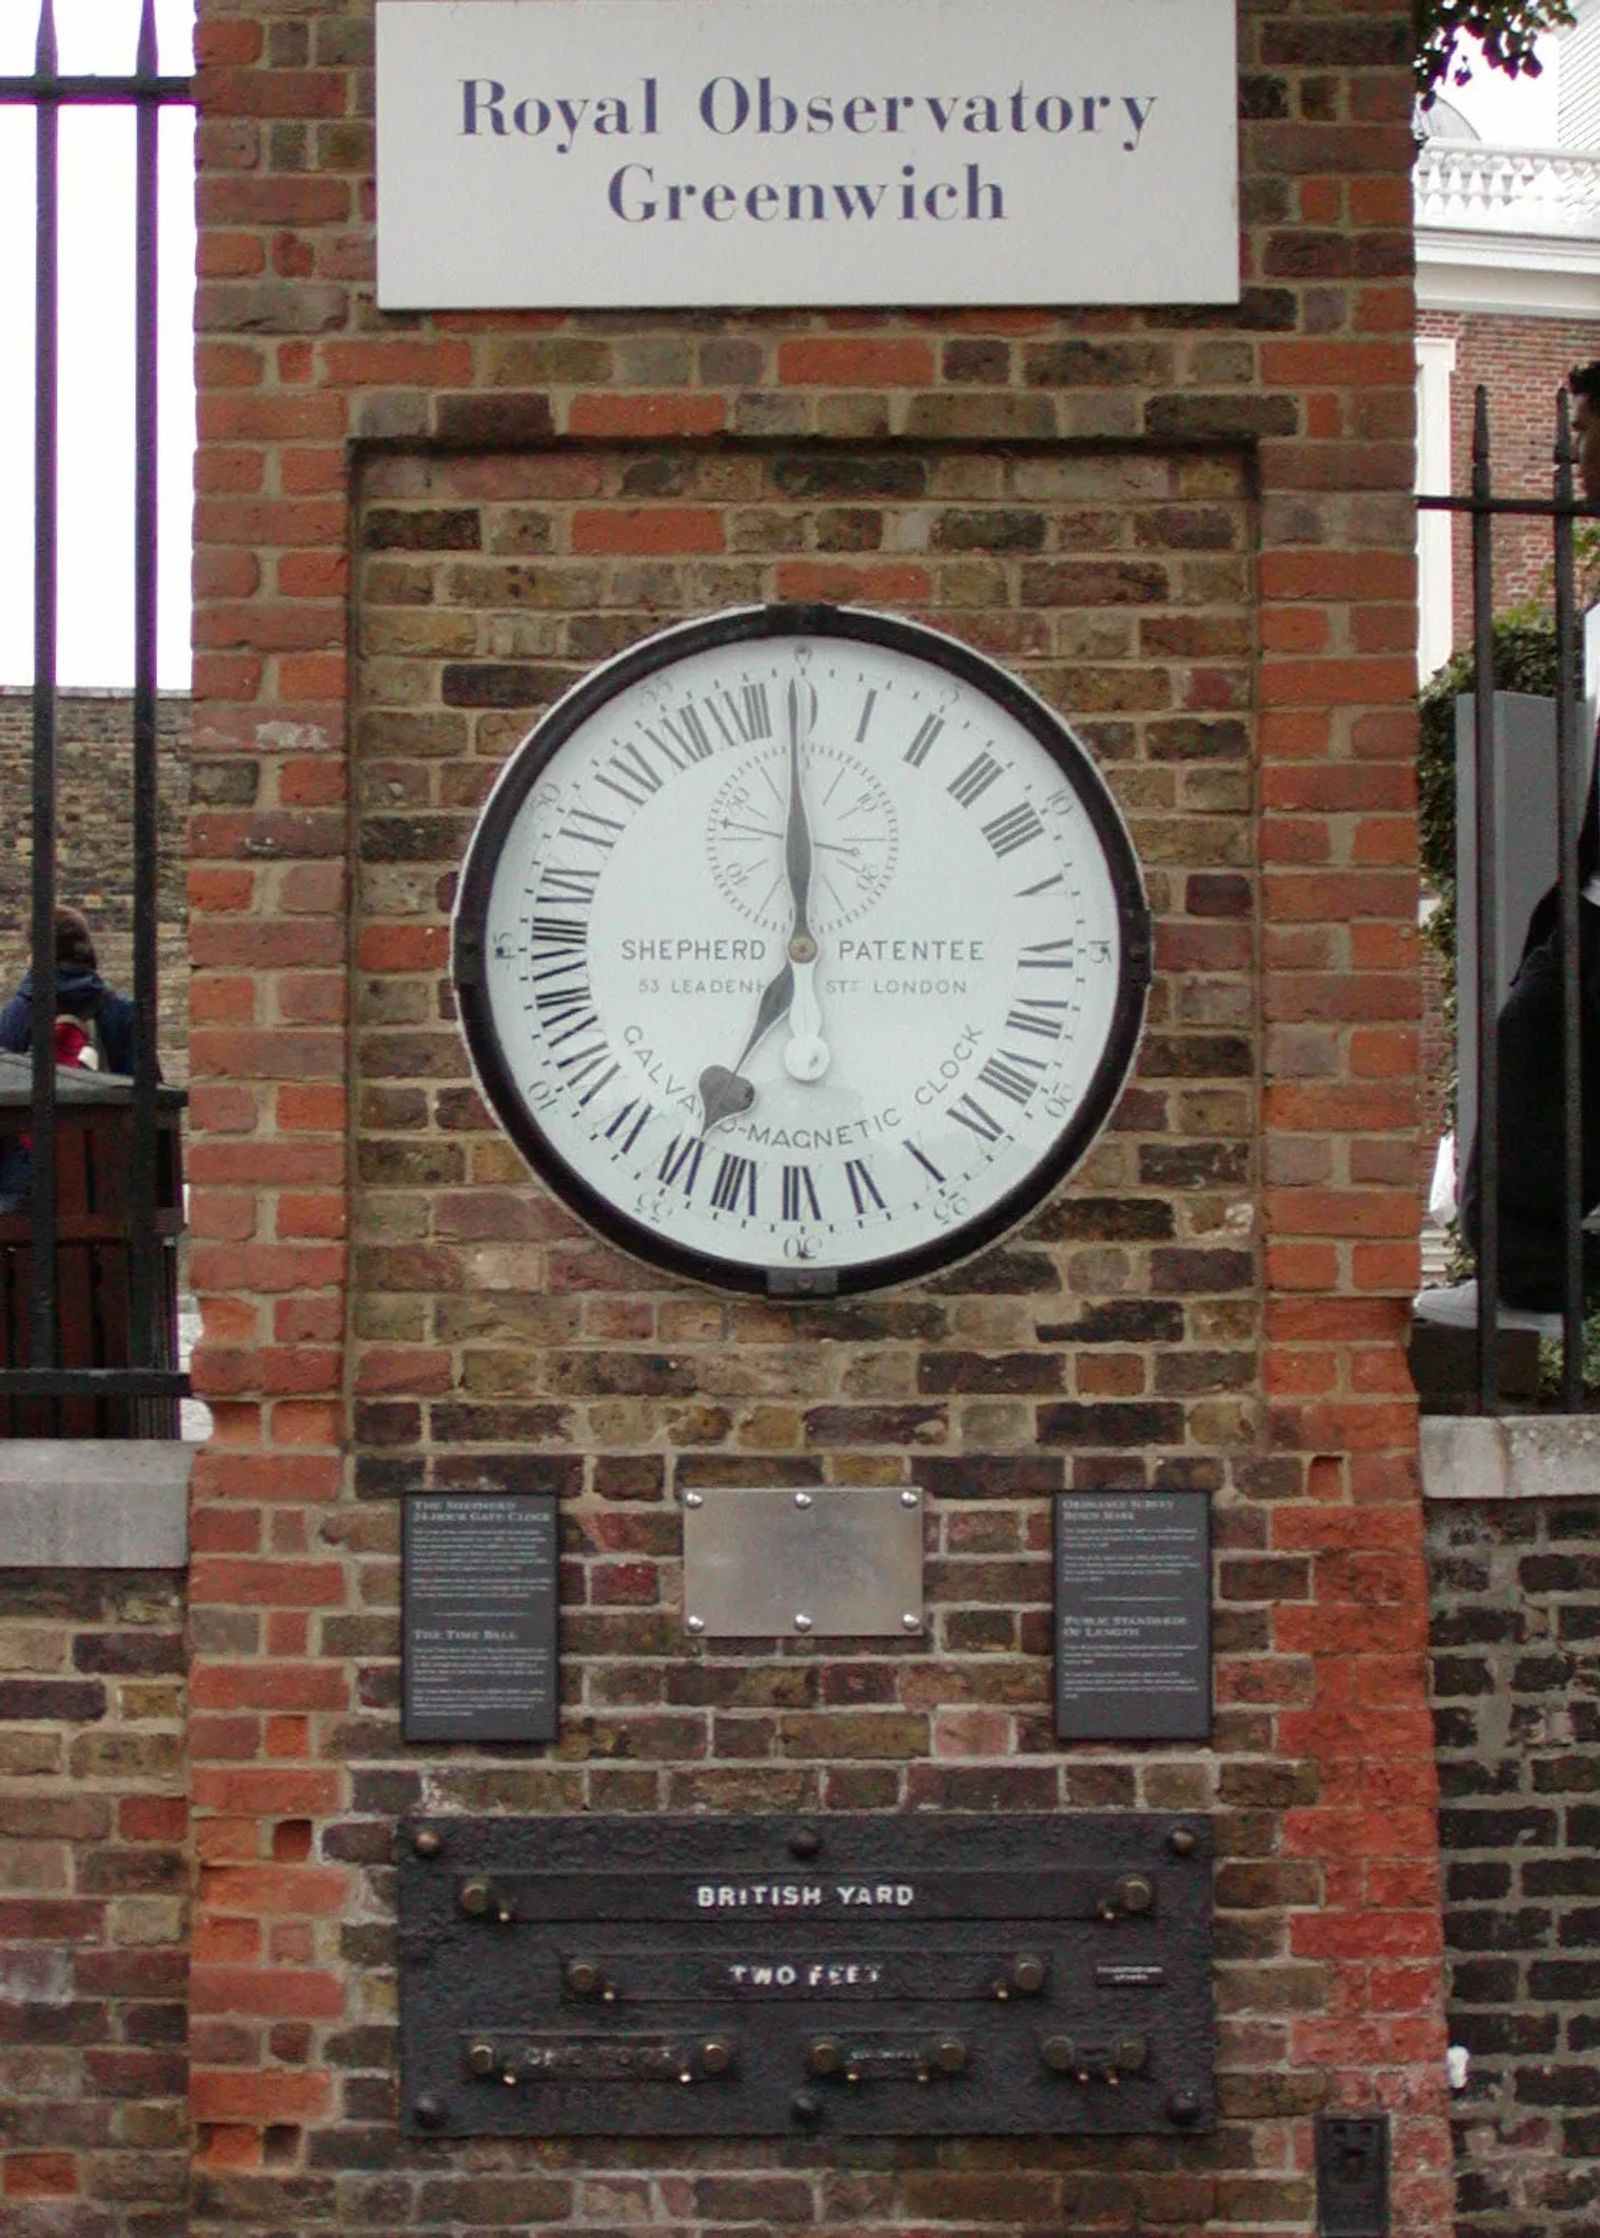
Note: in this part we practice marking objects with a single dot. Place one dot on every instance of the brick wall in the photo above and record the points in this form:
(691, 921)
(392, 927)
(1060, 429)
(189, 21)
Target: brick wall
(1218, 1301)
(1524, 364)
(93, 1901)
(94, 810)
(1516, 1685)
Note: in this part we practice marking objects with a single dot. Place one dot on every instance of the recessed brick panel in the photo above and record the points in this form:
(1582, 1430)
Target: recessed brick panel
(463, 1262)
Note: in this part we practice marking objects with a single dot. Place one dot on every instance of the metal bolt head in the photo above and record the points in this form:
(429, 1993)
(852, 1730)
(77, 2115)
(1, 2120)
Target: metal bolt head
(427, 1841)
(694, 1499)
(1059, 2053)
(911, 1622)
(428, 2112)
(716, 2057)
(805, 1842)
(481, 2058)
(950, 2056)
(1135, 1893)
(583, 1977)
(1183, 2107)
(475, 1898)
(806, 2107)
(910, 1499)
(695, 1623)
(1027, 1972)
(1181, 1841)
(802, 1499)
(802, 1622)
(824, 2056)
(1129, 2054)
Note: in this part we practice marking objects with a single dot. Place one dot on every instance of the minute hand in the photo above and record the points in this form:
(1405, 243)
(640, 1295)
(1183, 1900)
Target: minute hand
(802, 702)
(806, 1057)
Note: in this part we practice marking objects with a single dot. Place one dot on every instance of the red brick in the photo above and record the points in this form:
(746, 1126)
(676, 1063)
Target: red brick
(30, 2175)
(264, 2097)
(647, 530)
(856, 361)
(666, 415)
(276, 1990)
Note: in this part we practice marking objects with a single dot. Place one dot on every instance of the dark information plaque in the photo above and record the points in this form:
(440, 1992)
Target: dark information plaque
(1133, 1616)
(479, 1573)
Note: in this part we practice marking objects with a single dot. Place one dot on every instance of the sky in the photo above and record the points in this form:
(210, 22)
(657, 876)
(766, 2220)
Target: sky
(96, 391)
(96, 564)
(1511, 112)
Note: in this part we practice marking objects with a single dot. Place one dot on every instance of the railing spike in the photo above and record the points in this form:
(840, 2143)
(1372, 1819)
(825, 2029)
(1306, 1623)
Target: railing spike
(147, 59)
(45, 50)
(1565, 456)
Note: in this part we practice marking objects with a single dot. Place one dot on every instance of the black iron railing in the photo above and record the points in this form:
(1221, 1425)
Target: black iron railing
(36, 1364)
(1563, 509)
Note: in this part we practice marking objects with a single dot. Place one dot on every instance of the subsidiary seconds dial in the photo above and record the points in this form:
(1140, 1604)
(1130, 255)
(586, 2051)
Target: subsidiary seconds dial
(855, 839)
(801, 949)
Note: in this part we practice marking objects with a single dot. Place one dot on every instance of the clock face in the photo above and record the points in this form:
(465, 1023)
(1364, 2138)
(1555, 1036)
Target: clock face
(801, 949)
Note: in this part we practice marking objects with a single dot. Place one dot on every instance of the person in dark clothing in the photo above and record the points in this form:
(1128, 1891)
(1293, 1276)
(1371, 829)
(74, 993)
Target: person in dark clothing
(81, 994)
(92, 1026)
(1532, 1125)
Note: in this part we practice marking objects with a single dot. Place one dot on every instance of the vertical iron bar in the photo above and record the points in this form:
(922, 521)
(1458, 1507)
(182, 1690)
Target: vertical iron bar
(42, 1351)
(1485, 826)
(1567, 820)
(142, 1164)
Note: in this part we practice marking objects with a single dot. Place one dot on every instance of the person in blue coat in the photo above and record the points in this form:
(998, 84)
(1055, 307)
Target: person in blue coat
(104, 1037)
(81, 993)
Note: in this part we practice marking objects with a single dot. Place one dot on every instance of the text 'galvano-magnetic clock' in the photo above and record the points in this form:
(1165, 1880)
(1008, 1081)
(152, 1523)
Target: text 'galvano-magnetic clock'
(801, 949)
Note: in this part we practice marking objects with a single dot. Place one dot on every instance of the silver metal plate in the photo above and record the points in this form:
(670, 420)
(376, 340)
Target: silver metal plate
(830, 1561)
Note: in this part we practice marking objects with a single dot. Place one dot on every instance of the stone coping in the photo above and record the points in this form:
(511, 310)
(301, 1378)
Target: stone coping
(94, 1503)
(1511, 1457)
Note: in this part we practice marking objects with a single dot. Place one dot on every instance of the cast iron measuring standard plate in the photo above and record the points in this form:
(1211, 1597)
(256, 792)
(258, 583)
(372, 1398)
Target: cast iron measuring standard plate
(871, 1976)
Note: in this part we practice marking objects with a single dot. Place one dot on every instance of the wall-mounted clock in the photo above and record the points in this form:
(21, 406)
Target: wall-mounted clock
(801, 949)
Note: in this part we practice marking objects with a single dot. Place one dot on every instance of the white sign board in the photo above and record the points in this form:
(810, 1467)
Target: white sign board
(570, 154)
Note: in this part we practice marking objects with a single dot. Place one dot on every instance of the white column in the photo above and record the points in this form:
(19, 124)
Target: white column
(1436, 361)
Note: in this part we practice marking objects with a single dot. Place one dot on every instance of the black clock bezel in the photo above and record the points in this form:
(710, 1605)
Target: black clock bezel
(738, 626)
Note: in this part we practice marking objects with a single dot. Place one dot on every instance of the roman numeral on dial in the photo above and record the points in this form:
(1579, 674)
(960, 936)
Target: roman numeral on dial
(925, 1162)
(800, 1194)
(1011, 1075)
(680, 1163)
(864, 1191)
(922, 745)
(742, 713)
(593, 829)
(561, 884)
(557, 933)
(630, 1123)
(735, 1187)
(976, 778)
(683, 737)
(973, 1115)
(557, 1004)
(1014, 829)
(1047, 1018)
(628, 773)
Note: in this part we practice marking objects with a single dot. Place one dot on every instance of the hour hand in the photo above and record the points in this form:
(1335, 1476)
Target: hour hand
(724, 1093)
